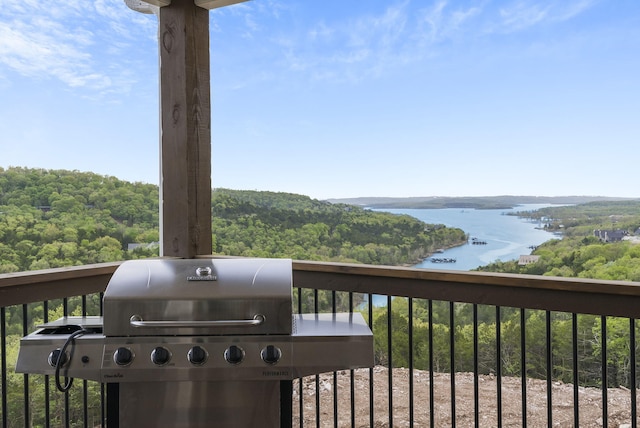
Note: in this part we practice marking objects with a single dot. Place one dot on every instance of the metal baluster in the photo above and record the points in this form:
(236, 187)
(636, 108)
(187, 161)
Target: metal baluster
(316, 310)
(549, 363)
(300, 383)
(576, 379)
(411, 362)
(85, 388)
(452, 361)
(371, 385)
(605, 380)
(3, 365)
(476, 388)
(67, 416)
(499, 366)
(632, 363)
(523, 364)
(390, 360)
(352, 376)
(335, 374)
(103, 391)
(25, 377)
(47, 407)
(432, 407)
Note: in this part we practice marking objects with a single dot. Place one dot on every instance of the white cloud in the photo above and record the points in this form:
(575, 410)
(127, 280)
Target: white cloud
(39, 54)
(524, 14)
(443, 22)
(433, 18)
(321, 32)
(351, 50)
(381, 30)
(68, 41)
(569, 9)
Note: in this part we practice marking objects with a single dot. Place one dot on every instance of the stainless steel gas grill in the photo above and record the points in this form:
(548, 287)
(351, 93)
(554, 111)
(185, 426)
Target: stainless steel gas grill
(198, 343)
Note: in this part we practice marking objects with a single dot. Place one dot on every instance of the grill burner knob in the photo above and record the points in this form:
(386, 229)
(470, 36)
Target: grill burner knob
(271, 354)
(197, 355)
(55, 355)
(123, 356)
(234, 354)
(160, 356)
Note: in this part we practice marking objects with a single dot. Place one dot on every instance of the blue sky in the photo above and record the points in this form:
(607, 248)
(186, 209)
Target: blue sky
(342, 98)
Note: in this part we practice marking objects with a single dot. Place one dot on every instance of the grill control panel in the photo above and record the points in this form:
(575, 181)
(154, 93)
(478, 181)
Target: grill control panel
(101, 358)
(179, 358)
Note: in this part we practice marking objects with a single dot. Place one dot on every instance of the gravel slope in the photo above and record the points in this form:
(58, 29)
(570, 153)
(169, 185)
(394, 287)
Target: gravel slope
(590, 411)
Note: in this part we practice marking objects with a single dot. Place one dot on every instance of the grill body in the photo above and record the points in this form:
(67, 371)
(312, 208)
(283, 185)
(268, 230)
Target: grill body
(198, 343)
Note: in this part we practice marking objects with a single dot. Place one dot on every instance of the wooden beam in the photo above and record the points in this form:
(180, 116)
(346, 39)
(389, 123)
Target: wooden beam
(185, 115)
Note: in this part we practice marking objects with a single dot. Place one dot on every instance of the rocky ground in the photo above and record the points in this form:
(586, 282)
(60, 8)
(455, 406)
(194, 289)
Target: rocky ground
(590, 410)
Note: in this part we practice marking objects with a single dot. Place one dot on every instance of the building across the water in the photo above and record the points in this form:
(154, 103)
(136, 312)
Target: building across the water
(527, 260)
(610, 235)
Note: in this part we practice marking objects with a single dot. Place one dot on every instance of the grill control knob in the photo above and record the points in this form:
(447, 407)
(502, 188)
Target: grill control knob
(55, 355)
(197, 355)
(271, 354)
(234, 354)
(160, 356)
(123, 356)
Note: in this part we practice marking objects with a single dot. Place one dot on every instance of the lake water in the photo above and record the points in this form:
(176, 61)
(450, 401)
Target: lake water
(507, 237)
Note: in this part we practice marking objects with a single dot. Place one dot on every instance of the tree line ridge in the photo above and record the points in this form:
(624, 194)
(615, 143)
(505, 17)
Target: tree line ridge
(56, 218)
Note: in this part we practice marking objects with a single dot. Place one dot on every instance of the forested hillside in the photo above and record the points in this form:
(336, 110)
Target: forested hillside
(579, 253)
(265, 224)
(61, 218)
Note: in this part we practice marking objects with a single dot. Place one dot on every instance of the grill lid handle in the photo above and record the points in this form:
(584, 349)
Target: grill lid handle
(137, 321)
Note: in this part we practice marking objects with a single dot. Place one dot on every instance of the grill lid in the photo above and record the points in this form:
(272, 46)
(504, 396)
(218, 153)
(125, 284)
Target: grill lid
(199, 297)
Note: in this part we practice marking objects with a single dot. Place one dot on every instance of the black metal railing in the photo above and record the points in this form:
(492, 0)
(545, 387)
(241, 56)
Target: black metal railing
(451, 349)
(40, 404)
(406, 392)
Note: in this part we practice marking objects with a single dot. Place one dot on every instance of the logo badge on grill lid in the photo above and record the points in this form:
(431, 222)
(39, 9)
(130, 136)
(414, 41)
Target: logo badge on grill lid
(203, 273)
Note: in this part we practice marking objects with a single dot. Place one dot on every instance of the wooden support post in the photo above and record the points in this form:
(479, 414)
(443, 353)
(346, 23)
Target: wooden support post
(185, 130)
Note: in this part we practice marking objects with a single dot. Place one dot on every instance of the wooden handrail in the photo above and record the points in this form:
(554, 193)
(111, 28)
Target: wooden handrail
(587, 296)
(599, 297)
(37, 286)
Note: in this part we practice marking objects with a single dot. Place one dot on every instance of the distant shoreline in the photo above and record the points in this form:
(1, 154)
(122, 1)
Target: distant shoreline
(480, 202)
